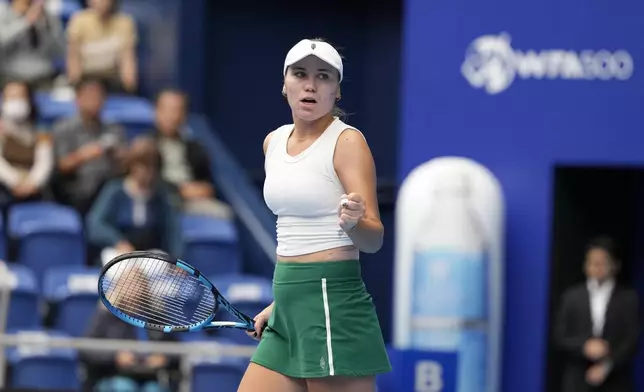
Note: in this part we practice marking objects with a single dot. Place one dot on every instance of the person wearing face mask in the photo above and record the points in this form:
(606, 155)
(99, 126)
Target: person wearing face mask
(27, 161)
(135, 213)
(30, 42)
(598, 326)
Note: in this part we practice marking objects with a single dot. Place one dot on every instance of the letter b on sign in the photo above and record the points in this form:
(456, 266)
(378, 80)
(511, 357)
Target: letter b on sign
(424, 371)
(429, 377)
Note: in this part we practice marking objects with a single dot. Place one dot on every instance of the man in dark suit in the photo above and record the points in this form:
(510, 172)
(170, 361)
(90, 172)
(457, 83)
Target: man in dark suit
(598, 326)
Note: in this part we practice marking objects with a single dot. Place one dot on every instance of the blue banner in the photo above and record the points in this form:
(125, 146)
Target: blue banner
(521, 87)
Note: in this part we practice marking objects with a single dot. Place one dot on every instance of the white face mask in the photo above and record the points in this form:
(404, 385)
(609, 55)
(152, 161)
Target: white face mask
(15, 110)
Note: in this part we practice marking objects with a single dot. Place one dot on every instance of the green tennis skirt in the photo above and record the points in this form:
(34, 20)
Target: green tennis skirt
(323, 323)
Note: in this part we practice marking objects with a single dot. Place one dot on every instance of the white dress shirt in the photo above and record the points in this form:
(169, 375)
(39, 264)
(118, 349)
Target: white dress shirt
(599, 296)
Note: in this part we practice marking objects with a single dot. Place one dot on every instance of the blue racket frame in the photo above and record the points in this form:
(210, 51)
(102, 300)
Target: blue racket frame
(247, 323)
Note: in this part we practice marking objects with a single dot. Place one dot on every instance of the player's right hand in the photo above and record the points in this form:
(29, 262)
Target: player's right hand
(261, 320)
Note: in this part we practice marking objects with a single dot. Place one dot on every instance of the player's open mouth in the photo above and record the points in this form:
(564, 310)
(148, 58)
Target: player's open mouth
(308, 101)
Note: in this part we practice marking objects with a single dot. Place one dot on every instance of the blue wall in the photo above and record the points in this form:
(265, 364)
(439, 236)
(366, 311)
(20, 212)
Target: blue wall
(522, 131)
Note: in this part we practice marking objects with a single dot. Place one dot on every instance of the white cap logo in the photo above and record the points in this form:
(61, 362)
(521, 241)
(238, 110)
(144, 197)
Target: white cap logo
(321, 50)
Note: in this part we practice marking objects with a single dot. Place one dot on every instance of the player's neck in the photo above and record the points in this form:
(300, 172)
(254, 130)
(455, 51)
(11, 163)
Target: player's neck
(306, 129)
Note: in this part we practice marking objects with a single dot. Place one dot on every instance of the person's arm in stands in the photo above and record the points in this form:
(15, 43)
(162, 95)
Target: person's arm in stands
(12, 28)
(74, 61)
(101, 232)
(566, 341)
(54, 37)
(9, 176)
(68, 157)
(44, 162)
(129, 63)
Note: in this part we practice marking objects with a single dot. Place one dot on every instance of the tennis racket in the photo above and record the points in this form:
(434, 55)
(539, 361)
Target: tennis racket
(152, 290)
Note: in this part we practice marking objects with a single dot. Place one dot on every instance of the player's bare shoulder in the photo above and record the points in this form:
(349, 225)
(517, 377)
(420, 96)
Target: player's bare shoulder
(351, 142)
(267, 140)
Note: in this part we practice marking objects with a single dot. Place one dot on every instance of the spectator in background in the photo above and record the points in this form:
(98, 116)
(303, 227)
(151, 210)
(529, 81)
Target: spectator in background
(184, 162)
(26, 159)
(598, 326)
(102, 43)
(31, 41)
(135, 213)
(125, 371)
(88, 151)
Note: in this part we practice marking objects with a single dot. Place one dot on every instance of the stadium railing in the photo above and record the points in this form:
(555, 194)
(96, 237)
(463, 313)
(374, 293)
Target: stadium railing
(185, 351)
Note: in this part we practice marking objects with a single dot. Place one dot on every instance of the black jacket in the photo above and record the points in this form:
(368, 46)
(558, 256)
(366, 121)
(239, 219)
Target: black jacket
(197, 158)
(574, 327)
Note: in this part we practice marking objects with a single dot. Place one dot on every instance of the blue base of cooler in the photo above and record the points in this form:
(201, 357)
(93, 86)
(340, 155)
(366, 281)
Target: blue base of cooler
(419, 371)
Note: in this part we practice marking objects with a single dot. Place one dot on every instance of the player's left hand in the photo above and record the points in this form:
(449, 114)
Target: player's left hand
(351, 210)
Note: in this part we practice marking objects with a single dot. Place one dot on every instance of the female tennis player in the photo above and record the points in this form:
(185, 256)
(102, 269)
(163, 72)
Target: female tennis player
(323, 333)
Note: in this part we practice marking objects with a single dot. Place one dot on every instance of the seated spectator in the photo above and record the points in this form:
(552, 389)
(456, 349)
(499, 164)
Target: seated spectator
(26, 153)
(135, 213)
(31, 41)
(125, 371)
(102, 43)
(184, 163)
(87, 151)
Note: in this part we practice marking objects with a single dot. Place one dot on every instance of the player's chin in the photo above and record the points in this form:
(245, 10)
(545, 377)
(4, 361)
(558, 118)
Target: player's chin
(310, 114)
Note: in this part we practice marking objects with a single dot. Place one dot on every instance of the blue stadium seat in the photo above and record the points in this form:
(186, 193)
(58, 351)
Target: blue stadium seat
(211, 245)
(49, 235)
(73, 289)
(223, 372)
(136, 114)
(24, 309)
(38, 367)
(250, 294)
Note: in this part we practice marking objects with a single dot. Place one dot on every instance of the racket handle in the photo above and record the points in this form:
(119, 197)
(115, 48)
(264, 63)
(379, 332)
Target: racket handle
(344, 202)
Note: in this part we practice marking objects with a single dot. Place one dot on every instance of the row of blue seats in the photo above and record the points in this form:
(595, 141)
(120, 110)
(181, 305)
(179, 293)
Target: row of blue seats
(37, 367)
(135, 114)
(50, 234)
(73, 292)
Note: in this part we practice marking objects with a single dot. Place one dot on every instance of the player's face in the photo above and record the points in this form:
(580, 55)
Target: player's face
(598, 264)
(312, 88)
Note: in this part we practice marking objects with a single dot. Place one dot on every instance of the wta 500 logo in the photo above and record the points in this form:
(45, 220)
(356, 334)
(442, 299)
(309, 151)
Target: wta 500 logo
(492, 64)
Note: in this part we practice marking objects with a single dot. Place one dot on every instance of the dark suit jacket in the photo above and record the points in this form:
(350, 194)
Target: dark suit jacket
(621, 329)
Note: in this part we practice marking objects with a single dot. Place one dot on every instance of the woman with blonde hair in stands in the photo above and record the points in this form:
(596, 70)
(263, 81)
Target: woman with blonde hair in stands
(134, 212)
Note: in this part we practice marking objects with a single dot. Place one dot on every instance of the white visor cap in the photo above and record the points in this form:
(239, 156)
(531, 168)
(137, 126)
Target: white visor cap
(321, 50)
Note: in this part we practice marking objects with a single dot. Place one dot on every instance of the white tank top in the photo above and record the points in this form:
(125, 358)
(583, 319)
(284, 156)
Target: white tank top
(304, 192)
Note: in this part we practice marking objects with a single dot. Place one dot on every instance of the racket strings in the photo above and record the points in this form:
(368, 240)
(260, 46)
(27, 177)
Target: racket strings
(157, 292)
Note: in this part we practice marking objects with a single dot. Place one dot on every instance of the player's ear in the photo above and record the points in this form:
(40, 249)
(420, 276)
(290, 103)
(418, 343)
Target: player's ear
(284, 90)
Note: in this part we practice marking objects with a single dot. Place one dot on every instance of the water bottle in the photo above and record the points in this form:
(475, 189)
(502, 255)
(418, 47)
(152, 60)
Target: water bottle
(449, 301)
